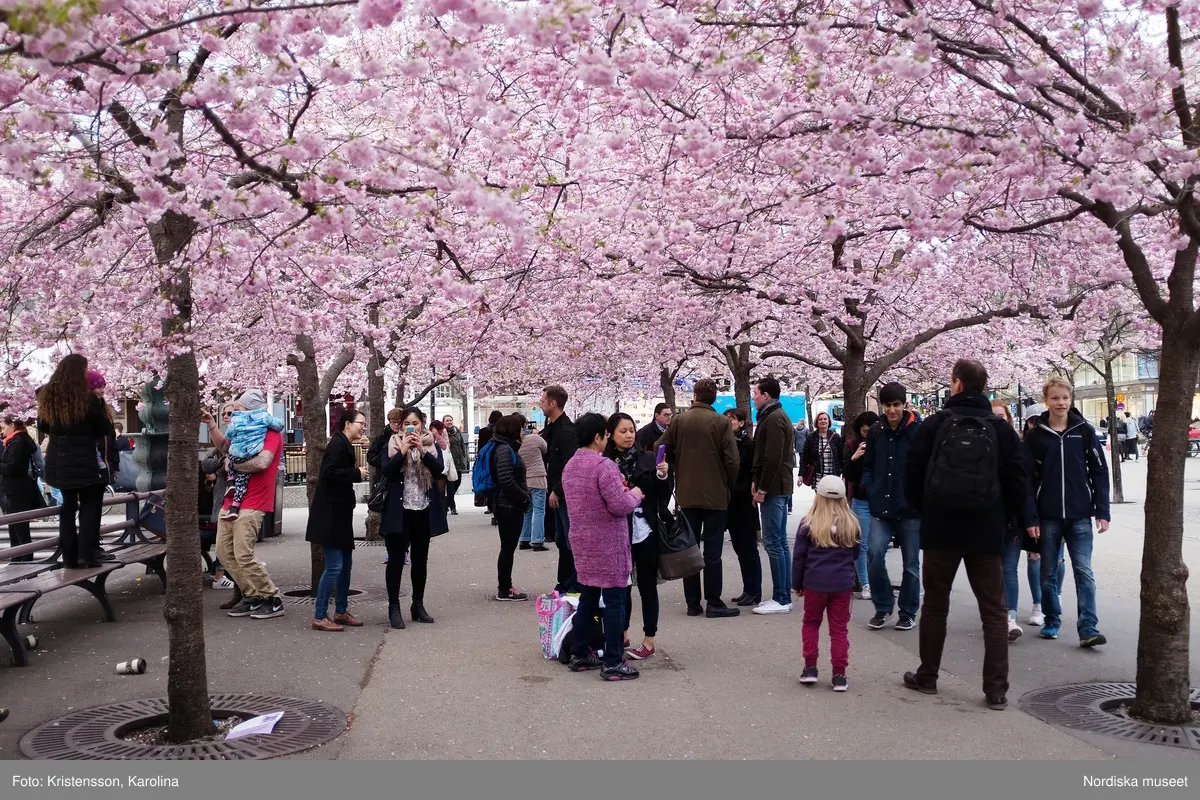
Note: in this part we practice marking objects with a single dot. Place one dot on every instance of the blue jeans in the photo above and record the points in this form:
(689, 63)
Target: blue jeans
(1076, 534)
(774, 533)
(336, 576)
(908, 531)
(1033, 573)
(613, 615)
(534, 527)
(862, 510)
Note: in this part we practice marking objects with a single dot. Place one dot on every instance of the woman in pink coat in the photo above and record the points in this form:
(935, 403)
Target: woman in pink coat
(599, 507)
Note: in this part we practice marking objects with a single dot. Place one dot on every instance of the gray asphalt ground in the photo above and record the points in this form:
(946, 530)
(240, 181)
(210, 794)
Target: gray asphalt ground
(475, 684)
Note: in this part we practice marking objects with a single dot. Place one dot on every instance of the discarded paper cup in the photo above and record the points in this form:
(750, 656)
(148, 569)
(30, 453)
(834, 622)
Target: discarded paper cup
(31, 642)
(135, 667)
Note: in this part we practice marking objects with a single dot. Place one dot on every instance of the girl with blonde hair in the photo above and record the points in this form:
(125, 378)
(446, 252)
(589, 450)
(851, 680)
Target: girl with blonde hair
(823, 573)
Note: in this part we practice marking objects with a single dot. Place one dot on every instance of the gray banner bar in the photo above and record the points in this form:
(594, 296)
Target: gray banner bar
(346, 780)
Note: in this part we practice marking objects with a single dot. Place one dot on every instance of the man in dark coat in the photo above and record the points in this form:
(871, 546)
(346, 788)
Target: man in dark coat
(702, 449)
(561, 444)
(973, 533)
(773, 475)
(891, 515)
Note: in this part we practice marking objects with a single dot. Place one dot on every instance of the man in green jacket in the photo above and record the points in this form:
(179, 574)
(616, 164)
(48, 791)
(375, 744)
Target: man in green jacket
(771, 476)
(701, 447)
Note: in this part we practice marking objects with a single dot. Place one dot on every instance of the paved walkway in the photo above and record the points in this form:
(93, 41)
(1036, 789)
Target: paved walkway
(475, 684)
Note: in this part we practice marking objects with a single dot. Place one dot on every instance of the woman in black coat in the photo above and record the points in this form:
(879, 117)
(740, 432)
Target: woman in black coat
(76, 421)
(510, 501)
(743, 521)
(331, 522)
(822, 452)
(18, 489)
(637, 467)
(415, 510)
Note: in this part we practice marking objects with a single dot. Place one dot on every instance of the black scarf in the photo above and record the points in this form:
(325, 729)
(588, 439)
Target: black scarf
(741, 434)
(626, 461)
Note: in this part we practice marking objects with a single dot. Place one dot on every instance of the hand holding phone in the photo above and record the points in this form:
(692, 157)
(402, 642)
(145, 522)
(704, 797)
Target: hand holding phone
(662, 454)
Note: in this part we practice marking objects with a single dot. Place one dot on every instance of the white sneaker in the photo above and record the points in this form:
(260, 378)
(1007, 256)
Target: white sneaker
(865, 594)
(1014, 630)
(1036, 617)
(771, 607)
(224, 583)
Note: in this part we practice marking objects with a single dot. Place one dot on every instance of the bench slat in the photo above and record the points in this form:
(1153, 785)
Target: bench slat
(62, 578)
(13, 599)
(12, 573)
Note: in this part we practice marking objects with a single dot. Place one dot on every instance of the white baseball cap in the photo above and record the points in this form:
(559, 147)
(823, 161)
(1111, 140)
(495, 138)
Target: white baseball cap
(832, 486)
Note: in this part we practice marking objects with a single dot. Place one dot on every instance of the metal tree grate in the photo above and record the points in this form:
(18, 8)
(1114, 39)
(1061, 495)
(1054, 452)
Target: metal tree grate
(364, 543)
(302, 595)
(95, 733)
(1089, 707)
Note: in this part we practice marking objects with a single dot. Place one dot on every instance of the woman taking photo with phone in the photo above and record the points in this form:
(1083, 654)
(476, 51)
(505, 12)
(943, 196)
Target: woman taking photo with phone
(414, 512)
(331, 522)
(637, 469)
(76, 421)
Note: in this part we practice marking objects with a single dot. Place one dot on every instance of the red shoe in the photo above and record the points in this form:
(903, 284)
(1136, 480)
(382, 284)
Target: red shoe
(641, 653)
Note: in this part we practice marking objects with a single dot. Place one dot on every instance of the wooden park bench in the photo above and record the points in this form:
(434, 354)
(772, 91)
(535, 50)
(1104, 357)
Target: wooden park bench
(23, 583)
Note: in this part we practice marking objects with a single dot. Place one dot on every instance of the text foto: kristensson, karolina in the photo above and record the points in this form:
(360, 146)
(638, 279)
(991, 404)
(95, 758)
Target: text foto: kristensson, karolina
(1126, 780)
(76, 782)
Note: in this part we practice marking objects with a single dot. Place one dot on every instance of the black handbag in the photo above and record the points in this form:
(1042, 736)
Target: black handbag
(679, 553)
(378, 497)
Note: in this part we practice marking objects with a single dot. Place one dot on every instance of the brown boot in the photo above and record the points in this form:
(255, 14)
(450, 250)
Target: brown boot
(347, 619)
(326, 625)
(233, 601)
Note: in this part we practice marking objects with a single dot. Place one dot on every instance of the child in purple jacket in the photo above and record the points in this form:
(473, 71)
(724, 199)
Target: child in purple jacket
(823, 572)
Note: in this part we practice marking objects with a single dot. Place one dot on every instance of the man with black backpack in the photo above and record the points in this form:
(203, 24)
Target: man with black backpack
(966, 477)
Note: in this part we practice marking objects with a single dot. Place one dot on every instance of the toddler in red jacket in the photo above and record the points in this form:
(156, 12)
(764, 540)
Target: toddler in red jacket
(827, 547)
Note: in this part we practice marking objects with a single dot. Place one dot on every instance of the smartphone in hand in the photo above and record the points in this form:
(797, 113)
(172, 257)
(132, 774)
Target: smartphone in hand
(662, 454)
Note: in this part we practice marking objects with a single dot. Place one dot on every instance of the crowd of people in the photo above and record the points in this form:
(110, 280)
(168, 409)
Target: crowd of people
(960, 487)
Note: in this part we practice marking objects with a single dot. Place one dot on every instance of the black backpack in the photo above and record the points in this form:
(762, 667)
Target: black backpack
(964, 470)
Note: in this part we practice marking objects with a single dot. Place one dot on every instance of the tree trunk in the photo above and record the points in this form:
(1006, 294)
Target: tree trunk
(315, 441)
(738, 359)
(189, 715)
(1114, 443)
(854, 380)
(1163, 678)
(667, 383)
(378, 421)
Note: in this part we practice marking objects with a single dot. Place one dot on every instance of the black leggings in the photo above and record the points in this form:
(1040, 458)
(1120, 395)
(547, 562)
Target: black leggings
(645, 570)
(84, 544)
(510, 523)
(415, 539)
(18, 533)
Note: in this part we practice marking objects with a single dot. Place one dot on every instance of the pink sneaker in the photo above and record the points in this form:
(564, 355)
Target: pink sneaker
(641, 653)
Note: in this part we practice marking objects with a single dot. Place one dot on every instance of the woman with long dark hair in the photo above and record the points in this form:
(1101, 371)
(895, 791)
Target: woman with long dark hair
(18, 488)
(75, 420)
(331, 522)
(414, 512)
(743, 520)
(852, 470)
(510, 501)
(637, 469)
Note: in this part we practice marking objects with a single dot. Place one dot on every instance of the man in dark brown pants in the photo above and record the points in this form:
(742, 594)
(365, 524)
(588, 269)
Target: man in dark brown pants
(966, 477)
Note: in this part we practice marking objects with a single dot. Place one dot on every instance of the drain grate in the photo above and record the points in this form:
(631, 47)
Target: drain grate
(364, 543)
(302, 595)
(95, 733)
(1089, 706)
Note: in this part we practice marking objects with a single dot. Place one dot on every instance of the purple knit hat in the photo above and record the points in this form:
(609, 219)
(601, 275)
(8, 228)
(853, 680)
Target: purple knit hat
(95, 380)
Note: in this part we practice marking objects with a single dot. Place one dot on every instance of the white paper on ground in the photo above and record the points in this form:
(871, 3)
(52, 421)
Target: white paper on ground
(255, 727)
